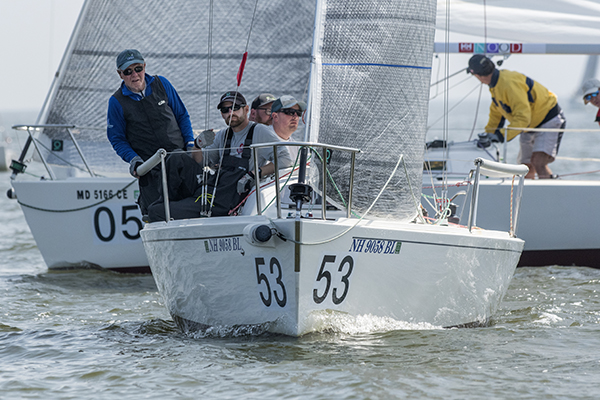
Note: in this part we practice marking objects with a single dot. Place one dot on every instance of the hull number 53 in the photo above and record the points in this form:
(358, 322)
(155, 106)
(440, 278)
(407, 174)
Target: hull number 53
(340, 279)
(272, 289)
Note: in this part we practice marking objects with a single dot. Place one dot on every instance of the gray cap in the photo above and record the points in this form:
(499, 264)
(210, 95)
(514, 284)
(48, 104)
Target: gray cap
(287, 102)
(129, 57)
(590, 86)
(262, 99)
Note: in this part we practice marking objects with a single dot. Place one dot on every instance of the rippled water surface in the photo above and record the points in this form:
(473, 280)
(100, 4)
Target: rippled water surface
(96, 335)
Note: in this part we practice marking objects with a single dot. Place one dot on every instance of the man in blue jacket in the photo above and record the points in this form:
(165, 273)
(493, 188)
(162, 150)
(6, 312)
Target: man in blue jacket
(144, 115)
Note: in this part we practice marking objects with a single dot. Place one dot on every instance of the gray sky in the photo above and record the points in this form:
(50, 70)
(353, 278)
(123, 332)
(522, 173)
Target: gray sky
(33, 37)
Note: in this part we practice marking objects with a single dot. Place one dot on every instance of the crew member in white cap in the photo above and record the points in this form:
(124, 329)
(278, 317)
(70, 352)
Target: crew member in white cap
(286, 112)
(590, 94)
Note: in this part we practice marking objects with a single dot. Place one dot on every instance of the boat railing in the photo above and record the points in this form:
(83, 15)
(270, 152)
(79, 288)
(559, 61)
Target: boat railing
(158, 158)
(18, 166)
(494, 169)
(302, 168)
(160, 155)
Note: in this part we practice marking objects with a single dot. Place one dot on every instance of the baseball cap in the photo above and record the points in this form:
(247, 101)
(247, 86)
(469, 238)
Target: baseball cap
(287, 102)
(262, 99)
(590, 86)
(480, 65)
(231, 96)
(128, 57)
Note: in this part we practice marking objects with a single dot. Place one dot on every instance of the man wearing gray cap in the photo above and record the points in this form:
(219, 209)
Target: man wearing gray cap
(144, 115)
(590, 90)
(261, 109)
(286, 112)
(525, 103)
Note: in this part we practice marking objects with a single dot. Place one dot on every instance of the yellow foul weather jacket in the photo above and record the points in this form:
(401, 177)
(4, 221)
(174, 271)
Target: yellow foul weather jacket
(522, 101)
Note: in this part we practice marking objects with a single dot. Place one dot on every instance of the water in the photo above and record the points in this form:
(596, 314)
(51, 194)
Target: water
(97, 335)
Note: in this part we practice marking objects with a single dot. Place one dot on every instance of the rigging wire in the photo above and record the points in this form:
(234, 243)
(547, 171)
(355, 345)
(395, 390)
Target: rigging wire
(476, 112)
(209, 64)
(239, 82)
(453, 107)
(444, 192)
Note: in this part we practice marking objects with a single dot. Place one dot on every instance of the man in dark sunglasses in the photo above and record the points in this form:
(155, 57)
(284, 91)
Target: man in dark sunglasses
(144, 115)
(286, 112)
(590, 90)
(261, 109)
(230, 158)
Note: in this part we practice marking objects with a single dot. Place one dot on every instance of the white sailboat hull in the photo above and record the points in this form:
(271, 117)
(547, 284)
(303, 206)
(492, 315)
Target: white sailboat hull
(76, 223)
(210, 273)
(558, 219)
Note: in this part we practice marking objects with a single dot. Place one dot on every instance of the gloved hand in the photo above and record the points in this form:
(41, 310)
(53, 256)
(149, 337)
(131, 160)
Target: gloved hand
(497, 137)
(134, 164)
(246, 183)
(205, 138)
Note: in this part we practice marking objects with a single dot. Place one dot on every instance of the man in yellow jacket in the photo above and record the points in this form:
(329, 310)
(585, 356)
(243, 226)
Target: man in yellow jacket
(526, 104)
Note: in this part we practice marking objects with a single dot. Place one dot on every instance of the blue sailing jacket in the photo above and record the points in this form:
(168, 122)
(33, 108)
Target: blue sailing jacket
(116, 124)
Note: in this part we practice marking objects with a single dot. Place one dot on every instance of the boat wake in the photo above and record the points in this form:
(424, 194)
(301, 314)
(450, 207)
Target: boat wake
(338, 322)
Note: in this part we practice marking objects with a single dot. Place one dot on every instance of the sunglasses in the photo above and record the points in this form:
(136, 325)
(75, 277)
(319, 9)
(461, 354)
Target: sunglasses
(266, 110)
(590, 96)
(291, 111)
(129, 71)
(225, 110)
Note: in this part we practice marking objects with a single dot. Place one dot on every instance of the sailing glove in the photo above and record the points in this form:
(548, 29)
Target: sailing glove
(205, 138)
(134, 164)
(246, 183)
(497, 137)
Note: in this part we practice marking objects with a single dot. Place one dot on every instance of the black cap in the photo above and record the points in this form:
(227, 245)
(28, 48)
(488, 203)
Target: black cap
(232, 96)
(481, 65)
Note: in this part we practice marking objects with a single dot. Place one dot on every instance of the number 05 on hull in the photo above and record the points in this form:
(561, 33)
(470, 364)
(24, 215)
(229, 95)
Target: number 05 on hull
(213, 272)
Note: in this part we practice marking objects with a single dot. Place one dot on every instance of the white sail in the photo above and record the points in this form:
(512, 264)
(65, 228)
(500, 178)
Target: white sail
(375, 67)
(180, 40)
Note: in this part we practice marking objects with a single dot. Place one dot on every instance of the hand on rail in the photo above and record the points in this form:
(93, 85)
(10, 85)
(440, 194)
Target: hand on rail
(134, 164)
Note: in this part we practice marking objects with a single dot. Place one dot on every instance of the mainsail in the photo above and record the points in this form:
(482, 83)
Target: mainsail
(372, 87)
(185, 41)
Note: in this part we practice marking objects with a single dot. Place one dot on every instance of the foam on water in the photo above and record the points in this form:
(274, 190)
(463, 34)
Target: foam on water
(337, 322)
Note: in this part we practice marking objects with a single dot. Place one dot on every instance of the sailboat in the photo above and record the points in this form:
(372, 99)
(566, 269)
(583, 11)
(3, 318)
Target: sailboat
(353, 241)
(75, 192)
(559, 219)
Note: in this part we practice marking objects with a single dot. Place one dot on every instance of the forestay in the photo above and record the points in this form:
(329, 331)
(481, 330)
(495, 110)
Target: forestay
(370, 89)
(183, 41)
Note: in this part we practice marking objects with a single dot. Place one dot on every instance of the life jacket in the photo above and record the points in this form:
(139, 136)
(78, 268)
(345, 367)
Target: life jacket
(231, 170)
(150, 122)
